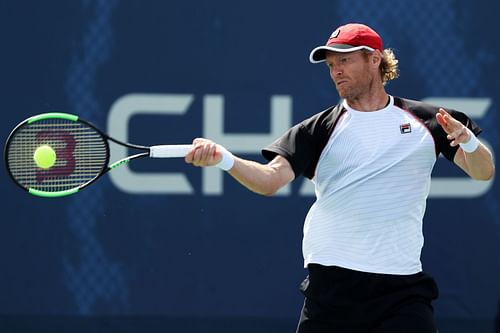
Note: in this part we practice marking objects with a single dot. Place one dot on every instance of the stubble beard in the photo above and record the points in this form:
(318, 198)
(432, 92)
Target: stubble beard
(355, 92)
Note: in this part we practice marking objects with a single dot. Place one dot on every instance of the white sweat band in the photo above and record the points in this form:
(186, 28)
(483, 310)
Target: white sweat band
(227, 160)
(471, 145)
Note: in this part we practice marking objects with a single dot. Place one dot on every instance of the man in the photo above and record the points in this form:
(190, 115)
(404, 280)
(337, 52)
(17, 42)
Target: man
(370, 158)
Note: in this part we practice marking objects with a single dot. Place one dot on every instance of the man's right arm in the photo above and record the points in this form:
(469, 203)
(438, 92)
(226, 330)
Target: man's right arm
(263, 179)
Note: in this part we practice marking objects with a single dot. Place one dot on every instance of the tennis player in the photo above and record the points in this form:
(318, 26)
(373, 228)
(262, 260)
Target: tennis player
(370, 158)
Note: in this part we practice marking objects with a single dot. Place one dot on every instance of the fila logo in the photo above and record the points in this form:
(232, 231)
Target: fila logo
(405, 128)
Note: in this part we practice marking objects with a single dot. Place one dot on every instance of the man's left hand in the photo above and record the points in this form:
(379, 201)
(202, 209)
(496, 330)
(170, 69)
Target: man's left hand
(456, 131)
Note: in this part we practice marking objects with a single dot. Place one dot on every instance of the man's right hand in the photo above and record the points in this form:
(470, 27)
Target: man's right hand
(204, 153)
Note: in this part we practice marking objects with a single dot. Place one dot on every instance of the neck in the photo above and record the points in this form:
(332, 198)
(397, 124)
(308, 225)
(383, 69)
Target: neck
(372, 101)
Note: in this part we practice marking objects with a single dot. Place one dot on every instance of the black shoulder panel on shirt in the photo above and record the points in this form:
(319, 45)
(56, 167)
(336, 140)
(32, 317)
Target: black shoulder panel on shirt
(302, 144)
(427, 114)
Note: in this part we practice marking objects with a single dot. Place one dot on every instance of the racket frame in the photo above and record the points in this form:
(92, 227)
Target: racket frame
(71, 117)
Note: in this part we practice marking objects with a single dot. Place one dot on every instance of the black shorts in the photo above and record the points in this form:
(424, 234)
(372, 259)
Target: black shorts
(347, 301)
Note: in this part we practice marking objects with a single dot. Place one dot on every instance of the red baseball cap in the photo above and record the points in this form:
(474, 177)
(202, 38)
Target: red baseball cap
(348, 38)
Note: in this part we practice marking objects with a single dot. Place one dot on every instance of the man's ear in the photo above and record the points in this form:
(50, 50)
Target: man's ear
(376, 58)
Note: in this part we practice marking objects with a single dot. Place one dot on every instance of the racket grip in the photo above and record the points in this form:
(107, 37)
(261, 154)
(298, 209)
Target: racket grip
(168, 151)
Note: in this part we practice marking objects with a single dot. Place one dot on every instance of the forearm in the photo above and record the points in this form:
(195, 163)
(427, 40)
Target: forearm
(478, 164)
(264, 179)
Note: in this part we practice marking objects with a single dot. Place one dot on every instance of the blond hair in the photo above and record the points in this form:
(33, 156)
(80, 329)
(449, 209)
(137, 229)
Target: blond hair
(388, 66)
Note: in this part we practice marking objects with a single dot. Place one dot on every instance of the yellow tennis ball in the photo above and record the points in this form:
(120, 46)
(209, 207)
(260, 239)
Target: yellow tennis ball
(45, 156)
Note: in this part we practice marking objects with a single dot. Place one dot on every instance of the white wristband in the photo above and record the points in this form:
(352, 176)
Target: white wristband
(227, 160)
(471, 145)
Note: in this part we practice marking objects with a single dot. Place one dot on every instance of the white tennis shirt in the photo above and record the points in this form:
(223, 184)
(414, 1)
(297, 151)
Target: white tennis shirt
(371, 184)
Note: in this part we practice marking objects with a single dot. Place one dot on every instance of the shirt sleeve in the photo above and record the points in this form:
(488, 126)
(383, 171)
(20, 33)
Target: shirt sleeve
(302, 144)
(296, 145)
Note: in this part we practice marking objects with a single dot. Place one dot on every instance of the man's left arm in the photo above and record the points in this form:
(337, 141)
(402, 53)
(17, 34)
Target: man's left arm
(472, 156)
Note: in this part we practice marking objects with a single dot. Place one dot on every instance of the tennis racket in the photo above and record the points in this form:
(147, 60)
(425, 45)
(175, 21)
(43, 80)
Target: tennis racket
(58, 154)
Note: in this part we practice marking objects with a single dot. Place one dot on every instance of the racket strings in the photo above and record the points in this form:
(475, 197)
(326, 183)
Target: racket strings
(81, 154)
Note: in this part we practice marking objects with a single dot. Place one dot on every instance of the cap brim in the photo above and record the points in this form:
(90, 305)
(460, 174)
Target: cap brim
(319, 54)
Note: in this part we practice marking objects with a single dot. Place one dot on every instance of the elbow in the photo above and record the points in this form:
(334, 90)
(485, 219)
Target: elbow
(269, 192)
(270, 188)
(263, 189)
(491, 173)
(487, 174)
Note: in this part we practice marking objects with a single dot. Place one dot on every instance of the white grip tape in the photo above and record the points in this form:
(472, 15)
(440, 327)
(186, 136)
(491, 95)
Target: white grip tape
(227, 160)
(472, 144)
(168, 151)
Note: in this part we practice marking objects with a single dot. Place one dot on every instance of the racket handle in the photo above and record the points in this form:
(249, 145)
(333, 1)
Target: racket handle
(167, 151)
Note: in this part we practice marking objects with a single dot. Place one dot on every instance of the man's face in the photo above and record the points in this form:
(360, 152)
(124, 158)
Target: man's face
(351, 72)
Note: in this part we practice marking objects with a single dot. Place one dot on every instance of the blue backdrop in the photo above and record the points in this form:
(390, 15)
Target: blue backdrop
(163, 246)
